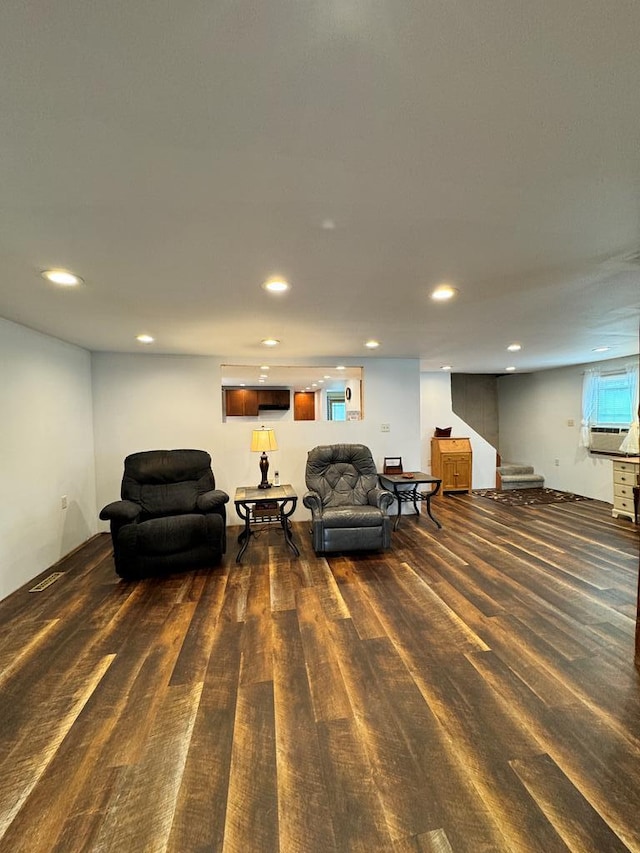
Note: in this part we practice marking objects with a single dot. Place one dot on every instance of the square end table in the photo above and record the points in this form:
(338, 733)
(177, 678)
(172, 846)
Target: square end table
(265, 506)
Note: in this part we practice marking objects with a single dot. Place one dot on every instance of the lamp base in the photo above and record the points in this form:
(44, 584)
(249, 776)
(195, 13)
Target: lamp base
(264, 470)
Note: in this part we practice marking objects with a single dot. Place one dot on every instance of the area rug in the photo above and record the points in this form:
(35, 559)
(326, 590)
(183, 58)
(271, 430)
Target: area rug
(528, 497)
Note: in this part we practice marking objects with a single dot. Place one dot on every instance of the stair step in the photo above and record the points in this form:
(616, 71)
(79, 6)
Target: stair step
(509, 470)
(522, 481)
(514, 476)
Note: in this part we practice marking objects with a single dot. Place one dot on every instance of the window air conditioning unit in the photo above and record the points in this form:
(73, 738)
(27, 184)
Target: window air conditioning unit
(606, 439)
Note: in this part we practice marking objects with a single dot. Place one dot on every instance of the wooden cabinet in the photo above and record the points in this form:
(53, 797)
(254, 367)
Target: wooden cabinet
(240, 401)
(626, 475)
(274, 398)
(451, 461)
(304, 406)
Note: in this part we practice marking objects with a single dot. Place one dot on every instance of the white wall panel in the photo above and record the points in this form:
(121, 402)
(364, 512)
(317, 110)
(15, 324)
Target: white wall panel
(534, 411)
(436, 411)
(46, 451)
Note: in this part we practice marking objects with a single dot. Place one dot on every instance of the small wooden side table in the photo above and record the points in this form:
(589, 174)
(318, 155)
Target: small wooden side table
(393, 482)
(265, 506)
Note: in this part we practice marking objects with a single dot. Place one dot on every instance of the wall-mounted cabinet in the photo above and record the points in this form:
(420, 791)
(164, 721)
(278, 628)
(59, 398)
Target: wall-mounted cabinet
(239, 402)
(304, 406)
(451, 461)
(274, 398)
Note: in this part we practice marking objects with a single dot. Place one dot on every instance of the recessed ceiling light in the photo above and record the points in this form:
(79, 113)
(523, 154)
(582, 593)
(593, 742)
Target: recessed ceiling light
(62, 277)
(601, 349)
(263, 376)
(446, 367)
(514, 347)
(328, 225)
(315, 384)
(270, 342)
(443, 292)
(320, 381)
(340, 367)
(261, 381)
(326, 376)
(264, 367)
(276, 285)
(372, 344)
(243, 384)
(510, 369)
(145, 339)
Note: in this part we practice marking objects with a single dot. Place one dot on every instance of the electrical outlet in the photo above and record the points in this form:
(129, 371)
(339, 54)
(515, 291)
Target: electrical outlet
(571, 422)
(556, 462)
(64, 503)
(385, 427)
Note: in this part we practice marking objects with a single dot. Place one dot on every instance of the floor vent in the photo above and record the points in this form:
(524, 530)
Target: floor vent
(45, 582)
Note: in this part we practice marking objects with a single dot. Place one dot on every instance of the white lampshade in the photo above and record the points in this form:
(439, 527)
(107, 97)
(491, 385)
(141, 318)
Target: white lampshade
(263, 439)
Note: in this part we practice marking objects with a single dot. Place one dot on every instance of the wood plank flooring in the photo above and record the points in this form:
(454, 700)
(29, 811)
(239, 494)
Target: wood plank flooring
(473, 689)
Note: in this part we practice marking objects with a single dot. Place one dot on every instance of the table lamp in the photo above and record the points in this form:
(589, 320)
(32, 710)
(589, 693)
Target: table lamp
(262, 440)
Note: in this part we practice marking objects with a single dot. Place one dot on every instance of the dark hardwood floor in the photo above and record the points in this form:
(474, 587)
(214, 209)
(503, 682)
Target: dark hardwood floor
(473, 689)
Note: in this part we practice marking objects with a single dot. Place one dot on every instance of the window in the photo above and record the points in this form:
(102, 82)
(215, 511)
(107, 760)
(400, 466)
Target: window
(609, 401)
(336, 406)
(613, 403)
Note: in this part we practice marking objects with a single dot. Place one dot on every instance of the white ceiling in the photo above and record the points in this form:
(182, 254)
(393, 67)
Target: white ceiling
(175, 155)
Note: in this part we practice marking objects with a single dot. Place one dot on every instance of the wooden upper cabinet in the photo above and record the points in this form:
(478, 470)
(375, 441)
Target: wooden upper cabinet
(304, 406)
(240, 401)
(283, 397)
(276, 398)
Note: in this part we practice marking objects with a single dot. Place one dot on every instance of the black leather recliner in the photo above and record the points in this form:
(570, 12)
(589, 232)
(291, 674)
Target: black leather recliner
(348, 508)
(171, 516)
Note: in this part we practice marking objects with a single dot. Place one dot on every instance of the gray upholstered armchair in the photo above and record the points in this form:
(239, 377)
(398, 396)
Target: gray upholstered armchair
(171, 516)
(348, 508)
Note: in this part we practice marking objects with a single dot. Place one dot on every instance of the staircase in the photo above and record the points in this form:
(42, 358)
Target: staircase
(519, 477)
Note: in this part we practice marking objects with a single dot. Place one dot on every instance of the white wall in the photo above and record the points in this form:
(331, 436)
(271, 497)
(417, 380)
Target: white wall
(46, 451)
(146, 401)
(436, 410)
(534, 411)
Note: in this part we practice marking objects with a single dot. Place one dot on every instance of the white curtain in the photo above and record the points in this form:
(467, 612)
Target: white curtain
(632, 377)
(589, 396)
(631, 444)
